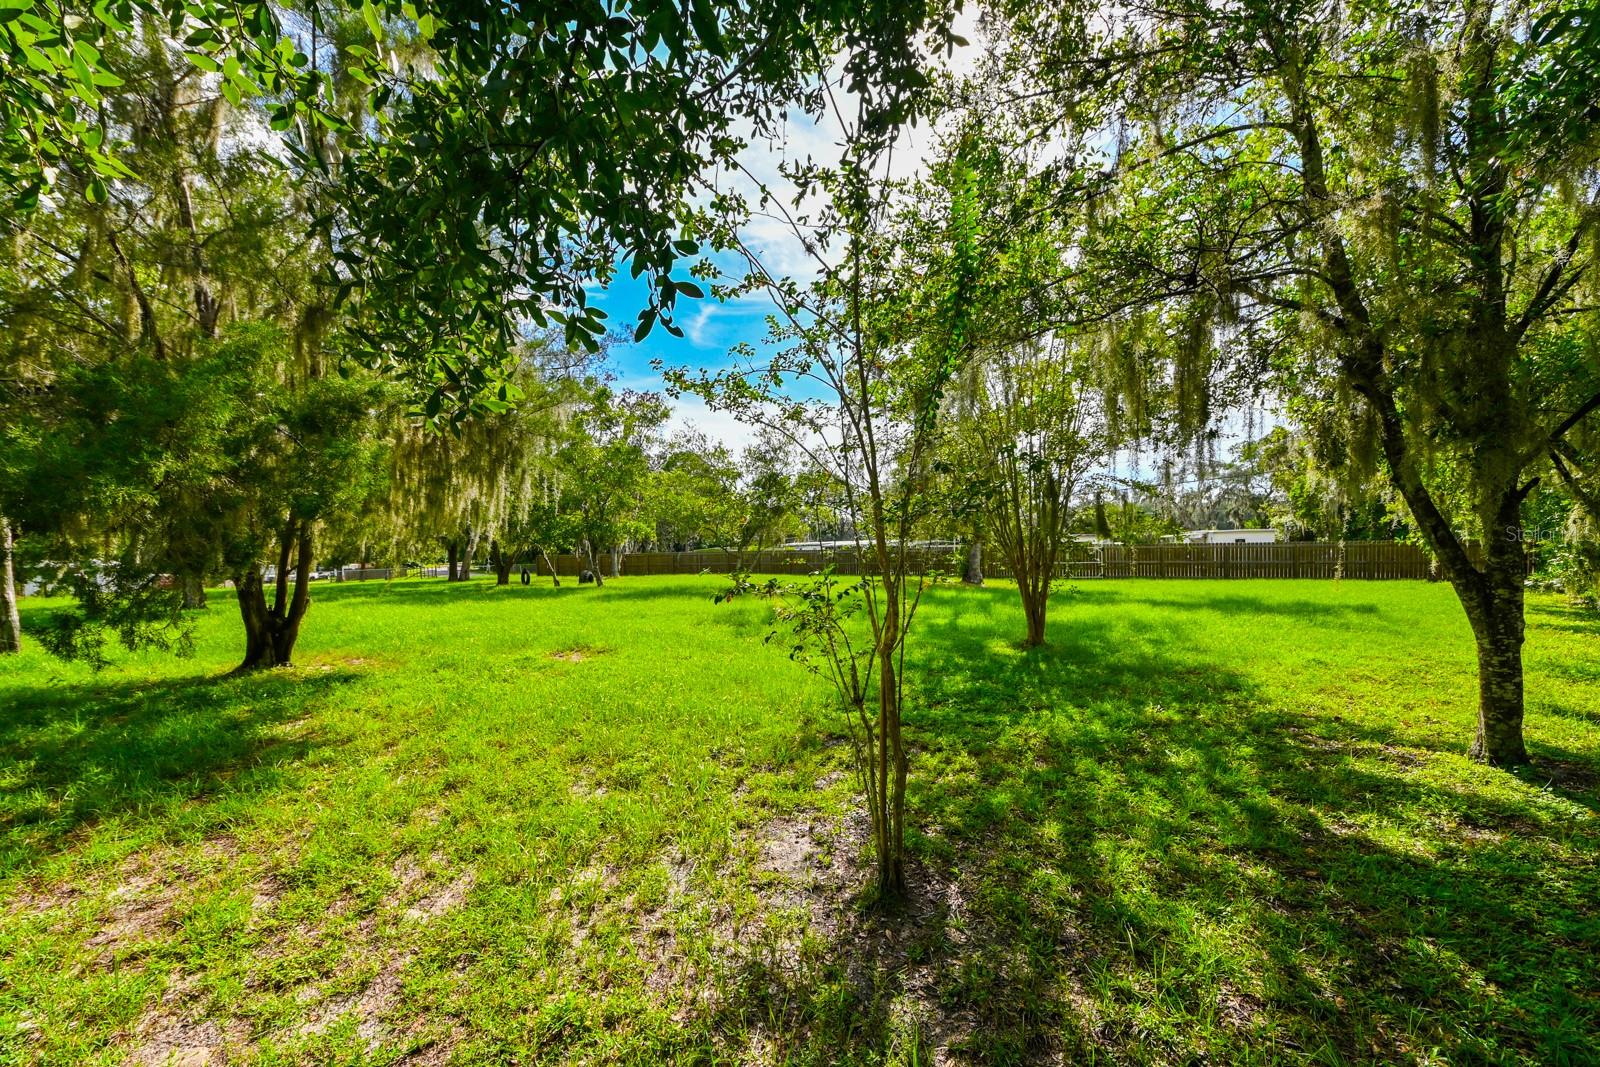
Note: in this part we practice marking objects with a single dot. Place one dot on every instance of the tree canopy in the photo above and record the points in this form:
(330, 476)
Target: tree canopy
(543, 147)
(1390, 211)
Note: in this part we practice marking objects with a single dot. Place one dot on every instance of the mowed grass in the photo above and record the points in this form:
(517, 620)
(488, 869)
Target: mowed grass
(1223, 822)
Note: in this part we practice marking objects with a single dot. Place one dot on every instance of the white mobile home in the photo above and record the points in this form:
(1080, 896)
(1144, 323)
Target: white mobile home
(1231, 537)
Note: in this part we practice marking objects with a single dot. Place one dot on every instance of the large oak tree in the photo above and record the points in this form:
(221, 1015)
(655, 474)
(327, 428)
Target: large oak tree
(1393, 208)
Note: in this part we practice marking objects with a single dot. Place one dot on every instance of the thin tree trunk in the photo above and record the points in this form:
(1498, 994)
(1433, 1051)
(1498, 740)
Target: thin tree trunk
(10, 617)
(972, 573)
(194, 591)
(289, 630)
(208, 309)
(452, 555)
(548, 562)
(1035, 605)
(890, 769)
(616, 562)
(594, 566)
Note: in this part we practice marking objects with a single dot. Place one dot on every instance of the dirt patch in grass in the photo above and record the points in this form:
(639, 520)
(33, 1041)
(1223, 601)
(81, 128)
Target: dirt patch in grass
(408, 874)
(169, 1042)
(446, 899)
(816, 865)
(327, 664)
(578, 653)
(1236, 1010)
(154, 885)
(137, 915)
(435, 1053)
(169, 1034)
(44, 899)
(895, 957)
(790, 847)
(664, 936)
(379, 996)
(147, 884)
(369, 1004)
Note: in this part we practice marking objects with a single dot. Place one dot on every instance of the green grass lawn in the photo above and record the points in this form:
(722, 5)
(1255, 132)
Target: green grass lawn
(1222, 822)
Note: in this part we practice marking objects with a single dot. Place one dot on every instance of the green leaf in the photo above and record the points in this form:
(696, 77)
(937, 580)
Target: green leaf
(703, 16)
(647, 320)
(369, 13)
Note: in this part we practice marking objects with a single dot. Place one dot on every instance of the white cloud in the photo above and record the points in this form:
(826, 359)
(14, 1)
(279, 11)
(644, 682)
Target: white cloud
(696, 328)
(724, 323)
(691, 412)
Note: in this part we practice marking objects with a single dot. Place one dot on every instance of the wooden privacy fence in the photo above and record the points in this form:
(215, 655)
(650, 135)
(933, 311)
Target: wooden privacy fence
(1289, 559)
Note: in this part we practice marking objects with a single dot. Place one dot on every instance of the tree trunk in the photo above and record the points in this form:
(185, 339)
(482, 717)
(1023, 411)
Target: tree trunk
(194, 591)
(10, 617)
(258, 646)
(616, 561)
(1494, 606)
(1492, 597)
(972, 572)
(503, 562)
(1035, 605)
(889, 773)
(452, 558)
(555, 578)
(594, 567)
(270, 633)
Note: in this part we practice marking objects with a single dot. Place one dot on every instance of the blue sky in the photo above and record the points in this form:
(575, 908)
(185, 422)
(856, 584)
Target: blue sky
(711, 329)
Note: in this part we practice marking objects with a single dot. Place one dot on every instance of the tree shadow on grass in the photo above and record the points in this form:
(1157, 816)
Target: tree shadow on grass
(1567, 618)
(438, 591)
(398, 591)
(1124, 856)
(73, 756)
(1097, 592)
